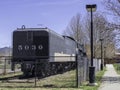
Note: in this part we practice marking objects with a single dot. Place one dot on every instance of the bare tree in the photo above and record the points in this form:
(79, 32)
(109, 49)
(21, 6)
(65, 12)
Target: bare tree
(119, 1)
(74, 29)
(79, 29)
(113, 6)
(100, 31)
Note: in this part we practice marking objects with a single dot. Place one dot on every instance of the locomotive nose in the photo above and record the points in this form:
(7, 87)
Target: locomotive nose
(29, 44)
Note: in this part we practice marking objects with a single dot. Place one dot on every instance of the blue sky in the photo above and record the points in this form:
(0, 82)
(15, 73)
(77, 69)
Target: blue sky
(54, 14)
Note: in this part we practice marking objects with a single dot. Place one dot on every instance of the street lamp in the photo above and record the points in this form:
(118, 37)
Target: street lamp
(101, 53)
(104, 55)
(91, 9)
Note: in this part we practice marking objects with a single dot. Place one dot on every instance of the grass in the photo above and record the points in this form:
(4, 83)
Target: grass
(98, 78)
(60, 81)
(10, 75)
(66, 81)
(117, 67)
(3, 66)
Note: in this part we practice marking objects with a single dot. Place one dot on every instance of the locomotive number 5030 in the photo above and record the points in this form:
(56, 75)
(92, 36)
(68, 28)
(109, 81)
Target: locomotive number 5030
(30, 47)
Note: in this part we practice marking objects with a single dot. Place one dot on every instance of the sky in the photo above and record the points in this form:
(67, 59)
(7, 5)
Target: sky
(54, 14)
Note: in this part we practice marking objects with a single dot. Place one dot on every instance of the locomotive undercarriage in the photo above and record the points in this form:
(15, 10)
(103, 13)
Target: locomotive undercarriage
(44, 69)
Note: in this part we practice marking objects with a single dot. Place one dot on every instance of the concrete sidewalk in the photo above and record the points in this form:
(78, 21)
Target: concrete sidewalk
(110, 80)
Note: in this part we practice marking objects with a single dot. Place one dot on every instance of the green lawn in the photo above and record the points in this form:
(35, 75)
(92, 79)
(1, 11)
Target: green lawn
(66, 81)
(117, 67)
(98, 78)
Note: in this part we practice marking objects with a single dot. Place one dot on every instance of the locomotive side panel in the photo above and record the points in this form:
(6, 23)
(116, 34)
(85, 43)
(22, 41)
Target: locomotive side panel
(70, 46)
(57, 46)
(62, 48)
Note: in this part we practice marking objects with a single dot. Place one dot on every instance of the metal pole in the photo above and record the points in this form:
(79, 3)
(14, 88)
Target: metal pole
(77, 75)
(77, 70)
(5, 66)
(35, 72)
(104, 56)
(101, 55)
(91, 38)
(77, 67)
(91, 68)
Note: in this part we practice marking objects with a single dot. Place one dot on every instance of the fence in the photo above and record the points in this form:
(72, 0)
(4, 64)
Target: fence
(66, 79)
(5, 65)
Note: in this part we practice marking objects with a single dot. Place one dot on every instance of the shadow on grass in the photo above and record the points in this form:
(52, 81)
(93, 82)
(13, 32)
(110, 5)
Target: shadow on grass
(54, 86)
(17, 82)
(7, 85)
(9, 78)
(44, 86)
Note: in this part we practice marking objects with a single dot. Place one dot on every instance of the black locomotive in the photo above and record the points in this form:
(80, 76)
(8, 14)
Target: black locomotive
(43, 51)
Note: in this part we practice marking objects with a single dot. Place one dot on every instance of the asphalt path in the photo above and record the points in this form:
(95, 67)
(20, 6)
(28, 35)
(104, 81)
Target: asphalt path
(110, 80)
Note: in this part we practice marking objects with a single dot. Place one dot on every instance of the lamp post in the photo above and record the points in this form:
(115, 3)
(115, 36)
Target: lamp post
(101, 54)
(91, 9)
(104, 55)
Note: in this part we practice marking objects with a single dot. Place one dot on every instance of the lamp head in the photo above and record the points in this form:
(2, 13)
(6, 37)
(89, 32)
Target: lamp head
(91, 8)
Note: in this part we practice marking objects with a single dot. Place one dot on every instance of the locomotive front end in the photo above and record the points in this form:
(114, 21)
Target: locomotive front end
(29, 45)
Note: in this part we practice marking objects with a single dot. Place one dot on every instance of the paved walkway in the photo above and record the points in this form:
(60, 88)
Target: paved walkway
(110, 80)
